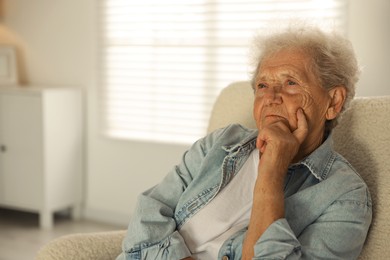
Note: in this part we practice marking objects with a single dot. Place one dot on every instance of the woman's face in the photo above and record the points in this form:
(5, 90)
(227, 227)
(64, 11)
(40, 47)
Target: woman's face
(283, 85)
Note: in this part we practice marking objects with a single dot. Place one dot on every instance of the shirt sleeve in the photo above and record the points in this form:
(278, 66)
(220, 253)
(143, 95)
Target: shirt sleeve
(339, 233)
(172, 247)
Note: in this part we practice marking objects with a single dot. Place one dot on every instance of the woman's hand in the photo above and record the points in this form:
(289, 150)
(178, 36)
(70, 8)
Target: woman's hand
(278, 147)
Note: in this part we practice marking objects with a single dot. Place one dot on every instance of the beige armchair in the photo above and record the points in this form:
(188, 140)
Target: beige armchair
(363, 137)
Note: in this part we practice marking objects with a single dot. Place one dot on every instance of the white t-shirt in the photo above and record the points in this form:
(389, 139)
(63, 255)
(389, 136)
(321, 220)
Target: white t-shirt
(226, 214)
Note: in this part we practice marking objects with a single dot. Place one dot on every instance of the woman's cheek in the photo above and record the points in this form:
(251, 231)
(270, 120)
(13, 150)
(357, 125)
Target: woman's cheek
(257, 111)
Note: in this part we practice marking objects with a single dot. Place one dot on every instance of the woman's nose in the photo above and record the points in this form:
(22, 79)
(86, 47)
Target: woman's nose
(273, 95)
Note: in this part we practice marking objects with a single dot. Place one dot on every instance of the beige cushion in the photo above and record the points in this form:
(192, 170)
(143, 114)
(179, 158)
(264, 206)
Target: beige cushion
(363, 137)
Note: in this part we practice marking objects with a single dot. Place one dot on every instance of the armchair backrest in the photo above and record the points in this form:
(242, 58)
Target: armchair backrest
(362, 137)
(233, 105)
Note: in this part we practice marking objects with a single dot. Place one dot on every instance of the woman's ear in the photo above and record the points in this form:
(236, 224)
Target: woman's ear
(337, 95)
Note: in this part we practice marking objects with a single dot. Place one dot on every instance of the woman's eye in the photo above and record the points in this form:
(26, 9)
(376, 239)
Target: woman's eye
(261, 85)
(291, 83)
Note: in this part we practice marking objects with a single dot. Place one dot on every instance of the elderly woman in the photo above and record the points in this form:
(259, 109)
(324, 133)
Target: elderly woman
(278, 192)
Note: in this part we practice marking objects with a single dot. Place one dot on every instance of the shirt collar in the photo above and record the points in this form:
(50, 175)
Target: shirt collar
(246, 145)
(320, 160)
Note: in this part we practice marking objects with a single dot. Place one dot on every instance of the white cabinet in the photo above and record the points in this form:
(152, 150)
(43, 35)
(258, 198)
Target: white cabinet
(41, 155)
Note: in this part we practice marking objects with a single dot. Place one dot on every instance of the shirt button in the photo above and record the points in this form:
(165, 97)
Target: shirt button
(225, 257)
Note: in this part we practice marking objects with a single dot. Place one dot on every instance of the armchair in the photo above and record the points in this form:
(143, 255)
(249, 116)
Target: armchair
(363, 137)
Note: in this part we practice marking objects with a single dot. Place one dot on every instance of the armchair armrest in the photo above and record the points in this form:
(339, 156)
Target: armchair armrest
(99, 245)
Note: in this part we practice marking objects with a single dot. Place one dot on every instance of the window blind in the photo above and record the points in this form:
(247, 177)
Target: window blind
(162, 63)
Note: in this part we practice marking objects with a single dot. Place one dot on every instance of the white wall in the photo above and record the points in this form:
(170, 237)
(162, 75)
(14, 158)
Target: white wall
(57, 40)
(369, 32)
(52, 38)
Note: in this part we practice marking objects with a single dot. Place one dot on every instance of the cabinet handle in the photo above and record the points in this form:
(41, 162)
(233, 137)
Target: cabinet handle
(3, 148)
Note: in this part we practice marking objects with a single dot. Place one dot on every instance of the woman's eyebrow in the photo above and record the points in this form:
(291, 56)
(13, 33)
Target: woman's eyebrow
(284, 74)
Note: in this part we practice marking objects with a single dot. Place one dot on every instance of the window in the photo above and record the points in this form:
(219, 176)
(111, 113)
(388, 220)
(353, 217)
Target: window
(164, 62)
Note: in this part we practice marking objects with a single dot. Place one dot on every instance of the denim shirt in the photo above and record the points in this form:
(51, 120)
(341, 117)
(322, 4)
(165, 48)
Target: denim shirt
(327, 204)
